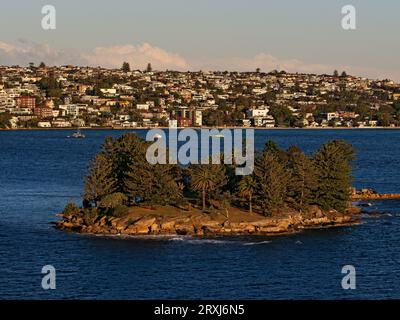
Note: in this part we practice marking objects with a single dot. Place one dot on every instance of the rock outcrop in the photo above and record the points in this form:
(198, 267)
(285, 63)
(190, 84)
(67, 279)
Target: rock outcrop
(203, 224)
(369, 194)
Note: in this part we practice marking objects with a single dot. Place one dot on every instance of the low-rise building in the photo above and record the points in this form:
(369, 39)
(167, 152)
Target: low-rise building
(61, 123)
(43, 112)
(44, 124)
(25, 102)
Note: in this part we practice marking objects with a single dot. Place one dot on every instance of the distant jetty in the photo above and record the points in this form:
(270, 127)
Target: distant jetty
(370, 194)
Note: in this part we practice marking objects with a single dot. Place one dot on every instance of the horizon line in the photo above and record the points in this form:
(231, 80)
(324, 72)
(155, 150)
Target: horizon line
(274, 71)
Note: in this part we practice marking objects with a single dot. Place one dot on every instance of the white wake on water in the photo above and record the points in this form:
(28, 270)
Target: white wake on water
(256, 243)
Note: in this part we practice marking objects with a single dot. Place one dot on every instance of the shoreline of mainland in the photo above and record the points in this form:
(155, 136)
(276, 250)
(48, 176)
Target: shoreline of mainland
(198, 128)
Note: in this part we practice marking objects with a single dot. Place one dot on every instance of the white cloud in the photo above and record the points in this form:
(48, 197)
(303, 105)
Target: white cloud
(137, 56)
(25, 53)
(268, 62)
(109, 57)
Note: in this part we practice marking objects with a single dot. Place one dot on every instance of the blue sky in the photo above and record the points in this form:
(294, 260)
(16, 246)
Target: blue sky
(206, 34)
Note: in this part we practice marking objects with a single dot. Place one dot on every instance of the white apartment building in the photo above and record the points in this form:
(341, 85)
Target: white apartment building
(72, 109)
(142, 107)
(109, 92)
(257, 113)
(198, 118)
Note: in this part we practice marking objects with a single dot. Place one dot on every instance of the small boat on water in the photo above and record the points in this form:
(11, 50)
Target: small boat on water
(77, 135)
(366, 205)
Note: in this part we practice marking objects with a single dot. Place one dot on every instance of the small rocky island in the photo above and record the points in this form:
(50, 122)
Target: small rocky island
(288, 192)
(173, 221)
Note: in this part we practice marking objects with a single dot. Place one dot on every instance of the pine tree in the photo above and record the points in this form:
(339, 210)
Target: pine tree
(303, 180)
(128, 150)
(153, 184)
(271, 148)
(138, 182)
(100, 181)
(166, 188)
(126, 67)
(272, 178)
(132, 175)
(333, 164)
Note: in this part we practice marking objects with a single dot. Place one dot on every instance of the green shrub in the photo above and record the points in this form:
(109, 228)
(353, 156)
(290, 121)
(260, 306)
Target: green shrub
(113, 201)
(90, 215)
(120, 211)
(71, 208)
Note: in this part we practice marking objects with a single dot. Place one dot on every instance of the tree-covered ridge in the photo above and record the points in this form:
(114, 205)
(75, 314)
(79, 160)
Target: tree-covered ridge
(4, 121)
(120, 177)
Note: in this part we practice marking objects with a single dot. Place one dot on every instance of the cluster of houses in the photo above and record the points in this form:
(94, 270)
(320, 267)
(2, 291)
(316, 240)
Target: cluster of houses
(71, 96)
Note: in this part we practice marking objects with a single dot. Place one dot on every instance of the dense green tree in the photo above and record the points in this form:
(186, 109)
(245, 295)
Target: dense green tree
(113, 200)
(31, 123)
(333, 173)
(153, 184)
(51, 86)
(100, 181)
(214, 118)
(272, 178)
(70, 208)
(282, 115)
(124, 152)
(5, 120)
(122, 168)
(126, 67)
(303, 179)
(121, 175)
(271, 148)
(385, 119)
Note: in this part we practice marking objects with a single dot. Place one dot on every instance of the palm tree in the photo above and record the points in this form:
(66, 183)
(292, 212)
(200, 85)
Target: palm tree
(247, 188)
(202, 181)
(207, 178)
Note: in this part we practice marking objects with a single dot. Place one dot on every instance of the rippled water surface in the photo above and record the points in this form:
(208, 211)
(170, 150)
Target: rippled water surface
(42, 170)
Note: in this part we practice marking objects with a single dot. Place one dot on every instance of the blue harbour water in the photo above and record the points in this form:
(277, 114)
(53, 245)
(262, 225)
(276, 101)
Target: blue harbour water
(42, 170)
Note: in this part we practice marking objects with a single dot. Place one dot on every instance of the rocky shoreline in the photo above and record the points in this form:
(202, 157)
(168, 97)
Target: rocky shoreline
(370, 194)
(196, 223)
